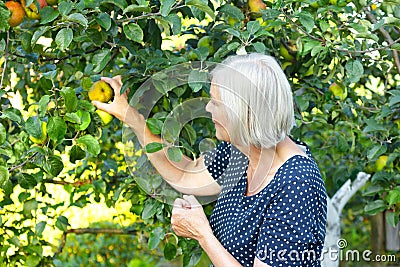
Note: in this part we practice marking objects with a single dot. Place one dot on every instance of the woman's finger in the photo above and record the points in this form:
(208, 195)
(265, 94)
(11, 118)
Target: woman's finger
(102, 106)
(192, 201)
(114, 83)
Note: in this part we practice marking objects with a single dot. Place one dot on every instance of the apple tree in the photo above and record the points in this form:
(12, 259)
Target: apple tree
(341, 58)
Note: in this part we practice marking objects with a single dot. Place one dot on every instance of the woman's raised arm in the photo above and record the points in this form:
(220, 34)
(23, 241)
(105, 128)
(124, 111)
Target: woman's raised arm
(186, 176)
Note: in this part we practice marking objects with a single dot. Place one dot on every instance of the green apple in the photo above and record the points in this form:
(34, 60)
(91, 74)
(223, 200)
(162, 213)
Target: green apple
(43, 138)
(205, 41)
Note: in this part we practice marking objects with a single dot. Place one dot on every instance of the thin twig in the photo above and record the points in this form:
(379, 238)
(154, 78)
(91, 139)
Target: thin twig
(388, 38)
(5, 59)
(22, 164)
(370, 49)
(148, 15)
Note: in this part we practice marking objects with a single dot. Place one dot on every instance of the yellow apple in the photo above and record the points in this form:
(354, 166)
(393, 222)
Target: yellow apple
(101, 91)
(338, 91)
(43, 138)
(381, 163)
(105, 117)
(255, 6)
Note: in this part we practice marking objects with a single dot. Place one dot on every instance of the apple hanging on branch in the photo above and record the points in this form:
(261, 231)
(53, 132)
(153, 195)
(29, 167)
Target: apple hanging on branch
(17, 13)
(32, 11)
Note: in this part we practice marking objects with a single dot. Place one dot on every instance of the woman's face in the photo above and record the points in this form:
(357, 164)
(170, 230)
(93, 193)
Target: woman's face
(218, 113)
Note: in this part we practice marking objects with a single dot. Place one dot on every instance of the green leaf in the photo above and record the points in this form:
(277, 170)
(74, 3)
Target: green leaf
(373, 126)
(26, 181)
(373, 190)
(29, 206)
(154, 125)
(122, 4)
(307, 20)
(4, 17)
(170, 251)
(367, 36)
(3, 134)
(136, 8)
(191, 134)
(174, 154)
(197, 79)
(62, 223)
(48, 14)
(4, 176)
(375, 207)
(202, 6)
(166, 7)
(64, 38)
(104, 20)
(133, 32)
(76, 153)
(72, 117)
(33, 127)
(92, 145)
(54, 165)
(175, 23)
(253, 26)
(39, 228)
(85, 119)
(38, 34)
(78, 18)
(392, 218)
(232, 11)
(155, 237)
(153, 147)
(11, 114)
(43, 102)
(354, 70)
(86, 83)
(70, 98)
(376, 151)
(56, 129)
(65, 7)
(32, 260)
(101, 59)
(393, 197)
(150, 208)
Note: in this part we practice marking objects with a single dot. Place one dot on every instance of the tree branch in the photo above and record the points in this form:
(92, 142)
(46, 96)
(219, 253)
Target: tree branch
(5, 59)
(81, 231)
(148, 15)
(388, 38)
(22, 164)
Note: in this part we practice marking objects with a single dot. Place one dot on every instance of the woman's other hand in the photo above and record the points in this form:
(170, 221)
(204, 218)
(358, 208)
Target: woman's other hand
(119, 106)
(188, 218)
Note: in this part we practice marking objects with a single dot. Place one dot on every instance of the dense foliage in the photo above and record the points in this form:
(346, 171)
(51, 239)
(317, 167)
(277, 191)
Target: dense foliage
(341, 57)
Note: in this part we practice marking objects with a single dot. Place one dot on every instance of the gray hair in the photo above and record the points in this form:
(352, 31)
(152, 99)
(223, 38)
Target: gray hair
(258, 99)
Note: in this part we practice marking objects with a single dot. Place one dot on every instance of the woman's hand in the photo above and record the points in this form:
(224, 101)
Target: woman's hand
(189, 220)
(119, 106)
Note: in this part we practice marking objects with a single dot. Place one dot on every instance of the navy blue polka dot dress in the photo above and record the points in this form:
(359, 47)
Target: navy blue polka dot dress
(283, 224)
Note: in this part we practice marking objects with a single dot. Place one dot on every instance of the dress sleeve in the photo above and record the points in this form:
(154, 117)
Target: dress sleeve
(217, 160)
(290, 232)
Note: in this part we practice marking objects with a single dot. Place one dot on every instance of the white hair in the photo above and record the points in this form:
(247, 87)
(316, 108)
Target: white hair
(258, 99)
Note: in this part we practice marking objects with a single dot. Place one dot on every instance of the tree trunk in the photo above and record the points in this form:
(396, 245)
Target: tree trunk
(377, 238)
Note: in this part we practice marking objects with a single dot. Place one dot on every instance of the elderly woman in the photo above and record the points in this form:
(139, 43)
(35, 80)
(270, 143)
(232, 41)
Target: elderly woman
(271, 207)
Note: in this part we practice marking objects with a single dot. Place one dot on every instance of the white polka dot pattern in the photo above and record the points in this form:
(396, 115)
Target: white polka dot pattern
(283, 224)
